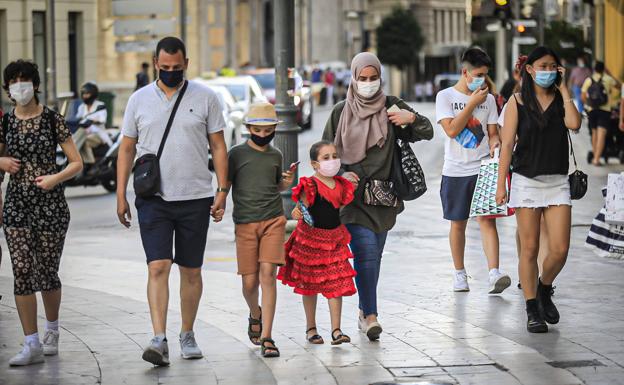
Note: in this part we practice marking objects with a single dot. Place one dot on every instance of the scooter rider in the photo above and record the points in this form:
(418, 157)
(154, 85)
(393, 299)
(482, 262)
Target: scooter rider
(92, 127)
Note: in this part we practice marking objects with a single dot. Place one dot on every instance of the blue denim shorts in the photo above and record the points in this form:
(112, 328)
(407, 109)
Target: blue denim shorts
(456, 194)
(184, 223)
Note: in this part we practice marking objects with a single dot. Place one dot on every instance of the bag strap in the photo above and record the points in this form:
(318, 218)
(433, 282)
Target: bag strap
(572, 149)
(5, 125)
(170, 122)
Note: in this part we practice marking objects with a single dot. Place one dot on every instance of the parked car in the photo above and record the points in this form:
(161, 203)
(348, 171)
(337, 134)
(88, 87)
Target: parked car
(302, 97)
(233, 113)
(245, 89)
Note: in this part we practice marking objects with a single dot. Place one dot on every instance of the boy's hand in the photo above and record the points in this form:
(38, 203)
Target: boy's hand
(288, 177)
(479, 96)
(494, 144)
(218, 207)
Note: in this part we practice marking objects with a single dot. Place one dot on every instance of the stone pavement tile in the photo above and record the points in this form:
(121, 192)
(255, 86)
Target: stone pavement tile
(113, 378)
(500, 378)
(318, 376)
(188, 380)
(360, 374)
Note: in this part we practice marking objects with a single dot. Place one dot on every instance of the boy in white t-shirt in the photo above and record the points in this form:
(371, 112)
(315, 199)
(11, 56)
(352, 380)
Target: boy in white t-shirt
(467, 112)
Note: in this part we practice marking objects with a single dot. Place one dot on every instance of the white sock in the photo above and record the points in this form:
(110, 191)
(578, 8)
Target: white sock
(494, 271)
(32, 340)
(460, 271)
(52, 325)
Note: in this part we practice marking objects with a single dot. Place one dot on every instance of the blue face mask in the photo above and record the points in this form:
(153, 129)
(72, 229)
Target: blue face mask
(545, 79)
(475, 84)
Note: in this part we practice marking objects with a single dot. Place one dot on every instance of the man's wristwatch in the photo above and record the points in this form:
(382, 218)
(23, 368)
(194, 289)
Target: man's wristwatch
(223, 190)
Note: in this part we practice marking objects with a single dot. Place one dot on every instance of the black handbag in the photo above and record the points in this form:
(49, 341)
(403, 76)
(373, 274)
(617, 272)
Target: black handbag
(408, 178)
(578, 179)
(147, 168)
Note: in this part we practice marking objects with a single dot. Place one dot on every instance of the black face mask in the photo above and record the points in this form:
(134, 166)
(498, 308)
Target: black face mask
(262, 140)
(171, 78)
(89, 101)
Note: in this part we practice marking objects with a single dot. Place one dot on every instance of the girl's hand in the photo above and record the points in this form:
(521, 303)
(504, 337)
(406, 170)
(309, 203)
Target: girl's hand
(296, 213)
(402, 118)
(562, 86)
(501, 195)
(10, 164)
(46, 182)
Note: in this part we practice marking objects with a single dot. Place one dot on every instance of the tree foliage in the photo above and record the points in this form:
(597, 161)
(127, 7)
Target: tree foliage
(565, 39)
(399, 38)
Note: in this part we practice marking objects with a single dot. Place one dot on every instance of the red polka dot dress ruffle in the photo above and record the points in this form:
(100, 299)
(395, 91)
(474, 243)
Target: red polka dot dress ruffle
(317, 258)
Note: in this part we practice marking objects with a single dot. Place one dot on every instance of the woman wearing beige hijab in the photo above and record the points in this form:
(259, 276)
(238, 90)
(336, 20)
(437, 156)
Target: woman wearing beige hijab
(364, 133)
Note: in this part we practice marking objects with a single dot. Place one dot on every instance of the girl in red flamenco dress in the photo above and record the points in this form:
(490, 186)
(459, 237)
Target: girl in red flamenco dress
(317, 252)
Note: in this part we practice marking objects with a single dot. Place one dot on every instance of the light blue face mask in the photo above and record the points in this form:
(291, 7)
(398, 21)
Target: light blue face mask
(545, 79)
(476, 83)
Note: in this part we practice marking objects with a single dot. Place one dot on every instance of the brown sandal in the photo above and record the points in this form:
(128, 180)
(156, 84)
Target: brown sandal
(254, 336)
(314, 339)
(340, 338)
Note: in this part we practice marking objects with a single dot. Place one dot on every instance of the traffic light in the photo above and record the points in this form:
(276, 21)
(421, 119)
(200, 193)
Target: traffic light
(502, 9)
(521, 28)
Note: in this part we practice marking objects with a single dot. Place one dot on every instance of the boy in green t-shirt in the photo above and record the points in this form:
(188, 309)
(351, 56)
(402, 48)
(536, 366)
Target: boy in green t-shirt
(255, 174)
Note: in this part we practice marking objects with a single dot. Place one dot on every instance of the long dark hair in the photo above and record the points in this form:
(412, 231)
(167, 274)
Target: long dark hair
(527, 90)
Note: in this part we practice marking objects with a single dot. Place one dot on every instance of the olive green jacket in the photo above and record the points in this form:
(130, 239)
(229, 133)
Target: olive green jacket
(377, 165)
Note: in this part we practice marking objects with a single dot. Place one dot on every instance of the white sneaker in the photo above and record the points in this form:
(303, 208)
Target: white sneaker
(362, 324)
(157, 353)
(498, 282)
(188, 346)
(460, 281)
(29, 355)
(50, 343)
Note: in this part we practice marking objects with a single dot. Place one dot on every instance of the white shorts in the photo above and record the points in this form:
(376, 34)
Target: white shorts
(541, 191)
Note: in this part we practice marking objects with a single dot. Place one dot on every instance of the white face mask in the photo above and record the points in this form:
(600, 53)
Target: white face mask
(22, 92)
(368, 89)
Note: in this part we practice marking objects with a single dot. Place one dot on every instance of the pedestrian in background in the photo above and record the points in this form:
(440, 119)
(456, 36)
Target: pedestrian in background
(92, 117)
(596, 94)
(142, 78)
(577, 77)
(468, 115)
(255, 174)
(317, 252)
(180, 211)
(429, 91)
(35, 215)
(330, 82)
(540, 117)
(364, 133)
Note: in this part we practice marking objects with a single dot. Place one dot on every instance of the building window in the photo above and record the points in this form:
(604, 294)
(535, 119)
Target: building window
(75, 38)
(39, 48)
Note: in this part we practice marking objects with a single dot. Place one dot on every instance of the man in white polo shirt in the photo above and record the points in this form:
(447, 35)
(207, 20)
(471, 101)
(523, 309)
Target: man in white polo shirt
(181, 211)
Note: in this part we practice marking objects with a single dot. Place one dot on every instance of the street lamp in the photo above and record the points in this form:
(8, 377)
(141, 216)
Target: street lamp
(286, 138)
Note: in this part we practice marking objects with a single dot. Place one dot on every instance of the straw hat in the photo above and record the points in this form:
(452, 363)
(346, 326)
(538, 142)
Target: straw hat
(262, 114)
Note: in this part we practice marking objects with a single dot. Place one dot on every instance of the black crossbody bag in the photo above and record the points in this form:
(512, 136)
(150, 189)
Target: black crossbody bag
(147, 168)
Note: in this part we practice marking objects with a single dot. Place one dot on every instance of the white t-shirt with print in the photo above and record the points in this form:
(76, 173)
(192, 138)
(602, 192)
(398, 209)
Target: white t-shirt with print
(463, 154)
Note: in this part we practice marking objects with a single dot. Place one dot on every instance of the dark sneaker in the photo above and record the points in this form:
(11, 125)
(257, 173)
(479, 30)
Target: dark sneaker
(157, 353)
(535, 322)
(545, 304)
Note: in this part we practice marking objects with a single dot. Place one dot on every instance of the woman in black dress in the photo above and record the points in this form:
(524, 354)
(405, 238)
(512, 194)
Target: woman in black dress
(35, 215)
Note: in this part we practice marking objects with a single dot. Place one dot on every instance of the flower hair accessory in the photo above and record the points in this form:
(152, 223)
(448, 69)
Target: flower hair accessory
(522, 59)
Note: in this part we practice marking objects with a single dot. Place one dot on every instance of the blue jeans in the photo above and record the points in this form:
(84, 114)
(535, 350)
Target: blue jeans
(367, 247)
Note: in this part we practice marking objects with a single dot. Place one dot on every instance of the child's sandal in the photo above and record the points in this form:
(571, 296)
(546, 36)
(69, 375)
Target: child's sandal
(339, 338)
(315, 339)
(268, 351)
(254, 336)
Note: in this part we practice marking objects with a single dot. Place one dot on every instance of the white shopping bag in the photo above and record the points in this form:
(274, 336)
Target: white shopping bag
(614, 201)
(484, 198)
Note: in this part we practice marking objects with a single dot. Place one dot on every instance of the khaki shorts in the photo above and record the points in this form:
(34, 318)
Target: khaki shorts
(259, 242)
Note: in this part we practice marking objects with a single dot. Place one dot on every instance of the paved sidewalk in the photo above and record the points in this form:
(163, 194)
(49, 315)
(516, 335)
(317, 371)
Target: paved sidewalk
(431, 333)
